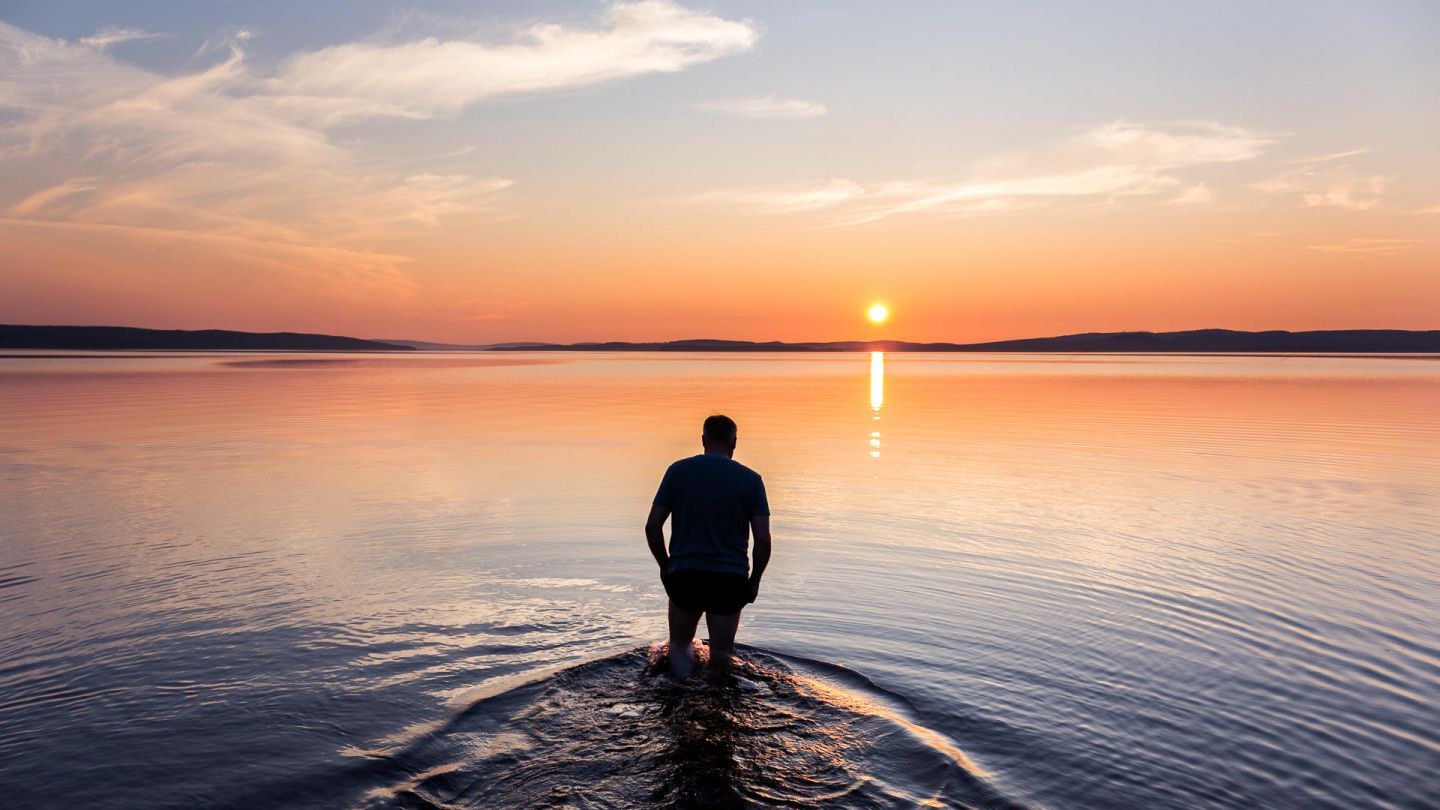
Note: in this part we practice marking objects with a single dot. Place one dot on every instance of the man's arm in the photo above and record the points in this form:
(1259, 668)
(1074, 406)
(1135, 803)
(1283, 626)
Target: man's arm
(760, 528)
(655, 536)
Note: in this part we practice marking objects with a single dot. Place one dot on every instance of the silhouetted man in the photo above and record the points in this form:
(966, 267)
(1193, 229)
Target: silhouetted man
(713, 503)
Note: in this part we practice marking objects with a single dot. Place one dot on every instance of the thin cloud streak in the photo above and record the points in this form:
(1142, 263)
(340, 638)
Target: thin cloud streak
(1116, 160)
(1334, 156)
(787, 199)
(763, 107)
(112, 36)
(366, 272)
(1368, 246)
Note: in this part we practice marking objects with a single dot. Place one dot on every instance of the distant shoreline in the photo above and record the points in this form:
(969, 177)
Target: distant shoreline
(1346, 342)
(126, 338)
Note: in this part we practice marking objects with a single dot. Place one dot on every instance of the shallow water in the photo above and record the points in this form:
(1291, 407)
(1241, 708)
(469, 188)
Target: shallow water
(351, 580)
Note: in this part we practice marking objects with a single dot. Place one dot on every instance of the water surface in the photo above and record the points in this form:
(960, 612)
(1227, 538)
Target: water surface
(289, 580)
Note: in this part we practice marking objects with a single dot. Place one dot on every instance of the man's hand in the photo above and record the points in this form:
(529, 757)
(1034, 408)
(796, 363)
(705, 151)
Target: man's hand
(754, 589)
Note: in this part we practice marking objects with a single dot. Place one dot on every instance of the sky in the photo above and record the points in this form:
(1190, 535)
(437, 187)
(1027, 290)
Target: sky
(655, 170)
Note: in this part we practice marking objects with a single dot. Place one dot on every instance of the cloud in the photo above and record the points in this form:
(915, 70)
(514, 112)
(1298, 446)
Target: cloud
(1105, 164)
(239, 156)
(1329, 181)
(54, 197)
(763, 107)
(362, 272)
(1434, 209)
(1368, 246)
(1334, 156)
(1181, 145)
(1198, 194)
(787, 199)
(138, 149)
(431, 77)
(106, 37)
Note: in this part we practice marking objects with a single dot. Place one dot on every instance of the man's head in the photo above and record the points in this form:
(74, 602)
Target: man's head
(718, 435)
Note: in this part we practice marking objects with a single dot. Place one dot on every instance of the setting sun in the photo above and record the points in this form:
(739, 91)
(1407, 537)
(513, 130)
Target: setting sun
(878, 313)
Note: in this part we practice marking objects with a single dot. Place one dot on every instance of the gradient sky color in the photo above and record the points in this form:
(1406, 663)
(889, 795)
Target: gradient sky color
(655, 170)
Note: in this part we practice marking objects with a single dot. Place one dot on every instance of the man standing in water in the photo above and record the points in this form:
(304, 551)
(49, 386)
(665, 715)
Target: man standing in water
(714, 503)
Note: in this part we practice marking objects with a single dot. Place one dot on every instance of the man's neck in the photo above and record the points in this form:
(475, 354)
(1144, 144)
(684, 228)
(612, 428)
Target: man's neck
(715, 451)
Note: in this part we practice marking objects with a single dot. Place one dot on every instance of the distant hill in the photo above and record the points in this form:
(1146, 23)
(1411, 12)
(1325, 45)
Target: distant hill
(124, 337)
(1340, 341)
(425, 345)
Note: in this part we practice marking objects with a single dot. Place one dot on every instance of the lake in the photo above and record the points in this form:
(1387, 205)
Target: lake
(420, 580)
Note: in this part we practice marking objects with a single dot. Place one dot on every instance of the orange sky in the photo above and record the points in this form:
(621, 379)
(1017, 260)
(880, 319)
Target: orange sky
(649, 171)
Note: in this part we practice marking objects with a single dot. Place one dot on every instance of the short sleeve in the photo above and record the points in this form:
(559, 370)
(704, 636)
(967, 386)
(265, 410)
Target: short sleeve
(762, 504)
(665, 495)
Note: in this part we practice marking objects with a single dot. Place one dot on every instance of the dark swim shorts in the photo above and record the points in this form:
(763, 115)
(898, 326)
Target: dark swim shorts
(708, 591)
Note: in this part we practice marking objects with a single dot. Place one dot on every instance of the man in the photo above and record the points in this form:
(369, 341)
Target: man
(714, 503)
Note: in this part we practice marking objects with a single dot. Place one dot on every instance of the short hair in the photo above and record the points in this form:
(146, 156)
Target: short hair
(718, 428)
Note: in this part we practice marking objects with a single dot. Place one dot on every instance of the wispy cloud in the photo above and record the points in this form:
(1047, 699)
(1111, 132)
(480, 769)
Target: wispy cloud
(1197, 194)
(432, 76)
(1334, 156)
(1185, 144)
(1114, 161)
(1368, 246)
(763, 107)
(361, 272)
(787, 199)
(1329, 181)
(106, 37)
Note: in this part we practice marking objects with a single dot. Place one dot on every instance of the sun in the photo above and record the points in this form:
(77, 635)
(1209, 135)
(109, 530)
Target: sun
(878, 313)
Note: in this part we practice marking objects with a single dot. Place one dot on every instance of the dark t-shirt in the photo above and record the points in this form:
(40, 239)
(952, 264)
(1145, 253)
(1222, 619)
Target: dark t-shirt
(711, 500)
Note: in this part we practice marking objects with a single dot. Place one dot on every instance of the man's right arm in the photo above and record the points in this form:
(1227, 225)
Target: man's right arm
(655, 536)
(760, 530)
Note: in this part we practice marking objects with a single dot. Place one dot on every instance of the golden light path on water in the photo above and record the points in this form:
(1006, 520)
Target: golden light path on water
(877, 397)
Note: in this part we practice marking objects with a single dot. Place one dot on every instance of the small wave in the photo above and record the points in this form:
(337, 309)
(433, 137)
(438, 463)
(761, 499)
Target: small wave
(619, 732)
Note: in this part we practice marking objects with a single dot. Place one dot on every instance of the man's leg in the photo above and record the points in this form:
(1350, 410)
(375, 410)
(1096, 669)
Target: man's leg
(682, 630)
(722, 637)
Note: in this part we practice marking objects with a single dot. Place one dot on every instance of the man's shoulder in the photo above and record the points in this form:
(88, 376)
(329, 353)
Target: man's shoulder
(685, 463)
(743, 470)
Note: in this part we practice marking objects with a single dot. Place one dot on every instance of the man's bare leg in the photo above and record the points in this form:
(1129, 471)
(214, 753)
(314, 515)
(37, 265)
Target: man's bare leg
(722, 638)
(682, 630)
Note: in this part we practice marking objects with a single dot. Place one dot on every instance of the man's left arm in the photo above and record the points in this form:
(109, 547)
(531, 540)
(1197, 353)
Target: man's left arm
(760, 528)
(760, 531)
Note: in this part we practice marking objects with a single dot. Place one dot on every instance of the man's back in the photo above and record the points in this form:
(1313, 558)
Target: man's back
(711, 500)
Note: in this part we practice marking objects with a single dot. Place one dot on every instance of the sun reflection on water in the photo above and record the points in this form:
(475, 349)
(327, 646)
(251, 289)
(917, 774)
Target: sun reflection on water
(877, 397)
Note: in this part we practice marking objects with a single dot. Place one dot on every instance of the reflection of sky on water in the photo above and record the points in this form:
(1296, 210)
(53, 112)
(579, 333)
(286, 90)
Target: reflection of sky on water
(355, 548)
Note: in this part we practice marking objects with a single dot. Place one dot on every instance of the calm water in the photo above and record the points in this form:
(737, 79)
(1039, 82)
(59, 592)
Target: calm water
(257, 580)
